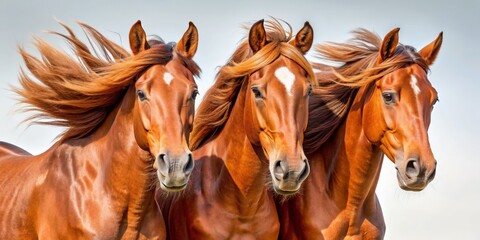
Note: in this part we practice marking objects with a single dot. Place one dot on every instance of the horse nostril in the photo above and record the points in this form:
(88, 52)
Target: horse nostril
(279, 170)
(305, 171)
(189, 166)
(412, 169)
(162, 163)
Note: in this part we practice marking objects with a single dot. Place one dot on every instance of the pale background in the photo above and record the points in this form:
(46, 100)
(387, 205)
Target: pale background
(448, 209)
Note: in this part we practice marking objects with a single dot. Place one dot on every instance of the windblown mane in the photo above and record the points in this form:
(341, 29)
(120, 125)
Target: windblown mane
(80, 93)
(355, 64)
(213, 112)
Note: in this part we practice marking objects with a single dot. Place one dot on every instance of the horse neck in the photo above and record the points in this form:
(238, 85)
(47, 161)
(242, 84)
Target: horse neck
(125, 164)
(348, 163)
(242, 174)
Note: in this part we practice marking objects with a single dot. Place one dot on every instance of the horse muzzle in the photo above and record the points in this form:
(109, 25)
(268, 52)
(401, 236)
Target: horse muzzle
(174, 171)
(412, 176)
(287, 180)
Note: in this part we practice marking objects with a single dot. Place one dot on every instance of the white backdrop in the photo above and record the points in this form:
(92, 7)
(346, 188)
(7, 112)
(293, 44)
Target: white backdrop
(447, 209)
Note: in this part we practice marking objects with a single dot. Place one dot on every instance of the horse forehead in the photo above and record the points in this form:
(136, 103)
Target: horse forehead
(286, 77)
(166, 74)
(400, 78)
(156, 72)
(414, 84)
(421, 85)
(416, 79)
(412, 79)
(167, 77)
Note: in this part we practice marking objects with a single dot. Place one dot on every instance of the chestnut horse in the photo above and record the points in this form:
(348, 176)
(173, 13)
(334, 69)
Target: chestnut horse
(252, 120)
(125, 115)
(379, 101)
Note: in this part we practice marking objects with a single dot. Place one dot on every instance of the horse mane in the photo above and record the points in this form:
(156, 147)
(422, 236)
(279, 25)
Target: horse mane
(352, 65)
(79, 92)
(214, 110)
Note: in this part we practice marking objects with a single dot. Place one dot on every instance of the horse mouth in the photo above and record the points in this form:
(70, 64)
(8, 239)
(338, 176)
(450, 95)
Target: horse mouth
(413, 186)
(406, 188)
(174, 188)
(285, 192)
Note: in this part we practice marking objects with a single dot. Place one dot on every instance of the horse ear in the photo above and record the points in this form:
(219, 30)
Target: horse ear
(138, 38)
(187, 46)
(429, 53)
(257, 38)
(304, 38)
(389, 44)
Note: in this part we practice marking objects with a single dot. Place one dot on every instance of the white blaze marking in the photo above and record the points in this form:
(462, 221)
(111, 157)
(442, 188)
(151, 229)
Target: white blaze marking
(286, 77)
(167, 77)
(414, 84)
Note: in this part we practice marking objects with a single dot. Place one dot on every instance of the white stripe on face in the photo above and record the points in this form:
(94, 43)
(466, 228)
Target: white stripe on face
(414, 84)
(286, 77)
(167, 77)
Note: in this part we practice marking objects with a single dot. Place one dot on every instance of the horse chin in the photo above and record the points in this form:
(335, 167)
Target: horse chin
(168, 185)
(416, 186)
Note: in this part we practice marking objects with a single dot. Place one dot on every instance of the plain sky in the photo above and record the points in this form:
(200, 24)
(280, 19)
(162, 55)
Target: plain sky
(447, 209)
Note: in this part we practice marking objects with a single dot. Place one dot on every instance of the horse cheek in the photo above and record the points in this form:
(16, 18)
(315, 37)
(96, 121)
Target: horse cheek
(142, 126)
(145, 115)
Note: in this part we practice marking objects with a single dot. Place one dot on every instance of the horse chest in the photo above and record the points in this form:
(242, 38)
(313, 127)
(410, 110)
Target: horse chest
(220, 224)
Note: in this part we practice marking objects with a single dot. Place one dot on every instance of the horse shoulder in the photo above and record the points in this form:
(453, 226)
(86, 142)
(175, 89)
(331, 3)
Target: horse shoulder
(71, 191)
(20, 173)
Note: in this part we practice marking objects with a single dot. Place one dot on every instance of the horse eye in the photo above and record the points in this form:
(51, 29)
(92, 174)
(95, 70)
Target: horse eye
(141, 95)
(310, 89)
(257, 93)
(194, 94)
(388, 97)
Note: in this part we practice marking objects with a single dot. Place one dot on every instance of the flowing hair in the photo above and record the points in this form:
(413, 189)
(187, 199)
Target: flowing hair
(213, 112)
(355, 64)
(79, 92)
